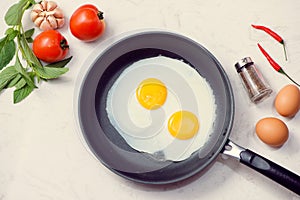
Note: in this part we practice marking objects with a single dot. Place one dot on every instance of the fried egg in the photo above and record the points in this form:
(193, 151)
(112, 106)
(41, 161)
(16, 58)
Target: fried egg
(162, 106)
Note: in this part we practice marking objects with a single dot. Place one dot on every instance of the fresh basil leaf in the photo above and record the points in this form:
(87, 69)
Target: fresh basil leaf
(21, 83)
(29, 33)
(30, 57)
(7, 51)
(29, 40)
(9, 31)
(13, 35)
(22, 93)
(14, 81)
(50, 72)
(14, 14)
(7, 75)
(22, 71)
(2, 42)
(60, 64)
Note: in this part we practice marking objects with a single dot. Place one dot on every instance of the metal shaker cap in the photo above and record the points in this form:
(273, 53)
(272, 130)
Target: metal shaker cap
(245, 62)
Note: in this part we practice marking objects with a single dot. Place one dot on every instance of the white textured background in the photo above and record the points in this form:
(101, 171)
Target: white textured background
(42, 157)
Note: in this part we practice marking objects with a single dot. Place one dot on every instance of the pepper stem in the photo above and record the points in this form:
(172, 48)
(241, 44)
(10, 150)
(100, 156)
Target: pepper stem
(284, 49)
(283, 72)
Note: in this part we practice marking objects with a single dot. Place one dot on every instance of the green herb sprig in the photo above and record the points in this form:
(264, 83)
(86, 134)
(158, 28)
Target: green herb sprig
(28, 70)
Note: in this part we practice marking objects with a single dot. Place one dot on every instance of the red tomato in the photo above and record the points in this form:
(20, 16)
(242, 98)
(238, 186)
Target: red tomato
(89, 6)
(50, 46)
(87, 23)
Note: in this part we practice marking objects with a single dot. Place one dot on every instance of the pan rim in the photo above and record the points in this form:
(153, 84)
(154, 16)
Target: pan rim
(111, 42)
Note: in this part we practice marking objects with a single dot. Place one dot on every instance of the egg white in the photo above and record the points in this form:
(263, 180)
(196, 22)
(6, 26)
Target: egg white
(147, 130)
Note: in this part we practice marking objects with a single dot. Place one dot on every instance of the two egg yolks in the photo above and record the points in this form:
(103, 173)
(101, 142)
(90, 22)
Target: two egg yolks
(152, 94)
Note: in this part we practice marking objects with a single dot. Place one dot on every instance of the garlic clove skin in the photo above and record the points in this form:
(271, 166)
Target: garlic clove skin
(38, 21)
(34, 16)
(50, 5)
(60, 22)
(52, 21)
(45, 25)
(47, 15)
(38, 8)
(58, 13)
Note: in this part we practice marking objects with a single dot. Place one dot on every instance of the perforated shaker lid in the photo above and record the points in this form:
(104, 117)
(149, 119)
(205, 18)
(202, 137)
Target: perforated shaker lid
(244, 62)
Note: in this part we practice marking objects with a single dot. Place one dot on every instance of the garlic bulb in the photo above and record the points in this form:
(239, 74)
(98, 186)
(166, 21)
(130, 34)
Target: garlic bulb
(47, 15)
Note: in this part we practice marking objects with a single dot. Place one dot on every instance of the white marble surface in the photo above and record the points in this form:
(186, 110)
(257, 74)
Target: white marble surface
(42, 157)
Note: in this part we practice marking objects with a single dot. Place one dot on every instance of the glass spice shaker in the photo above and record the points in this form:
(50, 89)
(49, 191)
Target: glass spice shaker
(252, 80)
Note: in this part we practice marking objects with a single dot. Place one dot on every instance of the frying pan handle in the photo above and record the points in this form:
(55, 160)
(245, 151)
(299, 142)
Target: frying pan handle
(264, 166)
(272, 170)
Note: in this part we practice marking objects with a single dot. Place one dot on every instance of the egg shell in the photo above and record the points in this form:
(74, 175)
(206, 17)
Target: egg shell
(272, 131)
(287, 101)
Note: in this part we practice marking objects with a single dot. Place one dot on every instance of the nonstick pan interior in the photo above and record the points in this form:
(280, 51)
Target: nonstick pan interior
(106, 143)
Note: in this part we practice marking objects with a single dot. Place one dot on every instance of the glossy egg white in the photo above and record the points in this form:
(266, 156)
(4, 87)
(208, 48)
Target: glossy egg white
(147, 130)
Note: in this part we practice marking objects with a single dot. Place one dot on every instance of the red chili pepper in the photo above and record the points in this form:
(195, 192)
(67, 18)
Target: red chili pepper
(272, 34)
(275, 65)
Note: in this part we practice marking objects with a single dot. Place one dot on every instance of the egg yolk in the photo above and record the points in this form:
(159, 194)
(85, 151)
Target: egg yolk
(151, 93)
(183, 125)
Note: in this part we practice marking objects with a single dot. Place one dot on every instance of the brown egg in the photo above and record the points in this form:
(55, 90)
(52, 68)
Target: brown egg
(287, 101)
(272, 131)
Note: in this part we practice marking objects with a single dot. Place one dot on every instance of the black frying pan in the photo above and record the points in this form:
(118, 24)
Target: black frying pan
(112, 150)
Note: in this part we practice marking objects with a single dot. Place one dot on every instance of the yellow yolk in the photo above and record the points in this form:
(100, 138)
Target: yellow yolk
(151, 93)
(183, 125)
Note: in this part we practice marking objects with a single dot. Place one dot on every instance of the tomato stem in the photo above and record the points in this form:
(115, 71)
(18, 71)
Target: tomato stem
(100, 15)
(63, 44)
